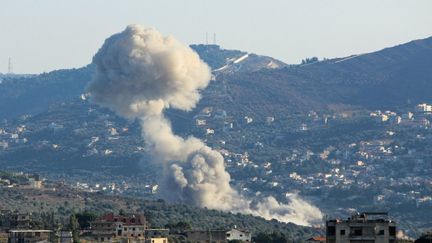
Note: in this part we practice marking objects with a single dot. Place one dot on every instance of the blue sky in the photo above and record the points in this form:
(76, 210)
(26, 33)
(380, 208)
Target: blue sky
(44, 35)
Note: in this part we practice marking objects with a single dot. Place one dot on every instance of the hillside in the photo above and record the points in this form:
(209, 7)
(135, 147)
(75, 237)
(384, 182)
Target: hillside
(64, 201)
(68, 138)
(393, 78)
(34, 94)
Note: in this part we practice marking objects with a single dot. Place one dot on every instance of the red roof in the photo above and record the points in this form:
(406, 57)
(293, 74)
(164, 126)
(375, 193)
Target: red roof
(318, 238)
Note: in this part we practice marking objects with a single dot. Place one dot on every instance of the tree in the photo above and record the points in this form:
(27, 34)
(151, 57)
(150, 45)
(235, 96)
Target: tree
(122, 212)
(74, 227)
(85, 218)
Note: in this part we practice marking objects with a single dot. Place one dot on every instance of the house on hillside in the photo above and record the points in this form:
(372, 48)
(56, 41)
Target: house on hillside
(110, 227)
(239, 235)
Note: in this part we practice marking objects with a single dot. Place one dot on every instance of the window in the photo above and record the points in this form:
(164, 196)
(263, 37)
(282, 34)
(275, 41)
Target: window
(342, 232)
(381, 232)
(331, 230)
(356, 231)
(392, 230)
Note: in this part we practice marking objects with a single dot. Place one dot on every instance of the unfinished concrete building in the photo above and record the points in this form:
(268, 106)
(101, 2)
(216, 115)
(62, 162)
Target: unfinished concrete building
(368, 227)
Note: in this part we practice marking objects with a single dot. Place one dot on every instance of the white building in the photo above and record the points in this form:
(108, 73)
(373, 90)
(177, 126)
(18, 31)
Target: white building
(424, 107)
(200, 122)
(248, 119)
(241, 235)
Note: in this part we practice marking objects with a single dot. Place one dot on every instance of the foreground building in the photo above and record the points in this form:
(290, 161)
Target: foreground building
(425, 238)
(218, 236)
(131, 228)
(110, 227)
(366, 227)
(30, 236)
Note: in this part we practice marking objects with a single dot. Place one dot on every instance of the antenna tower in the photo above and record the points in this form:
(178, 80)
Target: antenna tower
(10, 67)
(214, 38)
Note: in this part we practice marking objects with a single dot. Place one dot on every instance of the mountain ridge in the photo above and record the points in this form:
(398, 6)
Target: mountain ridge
(392, 77)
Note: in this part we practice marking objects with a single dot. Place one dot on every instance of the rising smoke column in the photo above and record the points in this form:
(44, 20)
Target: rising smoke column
(139, 74)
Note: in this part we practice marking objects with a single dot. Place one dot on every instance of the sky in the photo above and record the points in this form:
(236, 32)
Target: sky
(45, 35)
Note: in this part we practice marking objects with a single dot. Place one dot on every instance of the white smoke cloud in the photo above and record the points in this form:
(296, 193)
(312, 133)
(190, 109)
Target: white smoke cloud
(139, 74)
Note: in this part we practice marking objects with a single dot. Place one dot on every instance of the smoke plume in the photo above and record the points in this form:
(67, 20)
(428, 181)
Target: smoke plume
(139, 74)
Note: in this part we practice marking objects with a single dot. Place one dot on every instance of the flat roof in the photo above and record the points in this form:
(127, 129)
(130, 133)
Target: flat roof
(30, 230)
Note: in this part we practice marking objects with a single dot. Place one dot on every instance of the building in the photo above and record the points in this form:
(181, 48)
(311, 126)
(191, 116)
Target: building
(270, 120)
(112, 228)
(65, 237)
(240, 235)
(35, 183)
(4, 237)
(218, 236)
(14, 220)
(200, 122)
(316, 239)
(424, 107)
(366, 227)
(425, 238)
(30, 236)
(158, 240)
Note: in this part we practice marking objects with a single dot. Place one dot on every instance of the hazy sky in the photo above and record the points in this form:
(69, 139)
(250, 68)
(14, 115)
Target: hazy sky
(43, 35)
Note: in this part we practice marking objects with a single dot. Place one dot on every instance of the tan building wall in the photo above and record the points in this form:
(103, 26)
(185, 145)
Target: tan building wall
(158, 240)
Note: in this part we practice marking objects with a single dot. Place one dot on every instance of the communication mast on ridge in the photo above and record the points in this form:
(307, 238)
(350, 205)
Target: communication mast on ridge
(206, 38)
(10, 67)
(214, 38)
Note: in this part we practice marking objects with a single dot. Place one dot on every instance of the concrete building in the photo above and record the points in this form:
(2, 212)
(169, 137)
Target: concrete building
(362, 228)
(65, 237)
(424, 107)
(4, 237)
(112, 228)
(158, 240)
(35, 183)
(30, 236)
(425, 238)
(241, 235)
(14, 220)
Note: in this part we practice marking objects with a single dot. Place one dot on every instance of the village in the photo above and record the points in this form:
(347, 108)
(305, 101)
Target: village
(287, 160)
